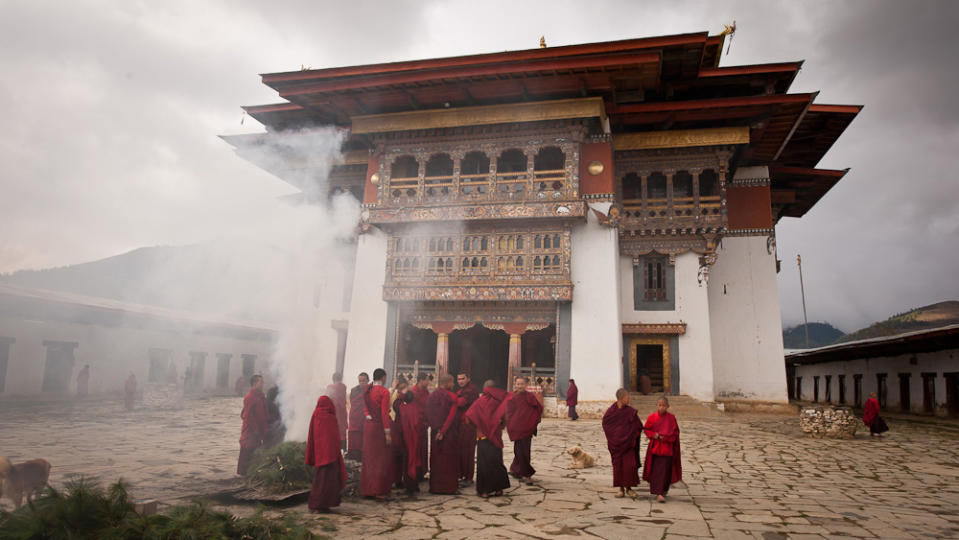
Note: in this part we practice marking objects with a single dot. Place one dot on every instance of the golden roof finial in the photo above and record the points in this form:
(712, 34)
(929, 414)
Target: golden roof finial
(542, 42)
(728, 29)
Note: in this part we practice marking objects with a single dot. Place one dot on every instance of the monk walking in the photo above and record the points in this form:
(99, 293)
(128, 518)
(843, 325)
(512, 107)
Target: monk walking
(572, 398)
(323, 453)
(421, 395)
(870, 417)
(130, 391)
(254, 428)
(486, 416)
(523, 413)
(376, 475)
(467, 394)
(623, 429)
(441, 412)
(354, 444)
(337, 393)
(664, 465)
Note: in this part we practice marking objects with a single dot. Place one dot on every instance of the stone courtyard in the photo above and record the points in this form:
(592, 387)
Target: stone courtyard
(746, 476)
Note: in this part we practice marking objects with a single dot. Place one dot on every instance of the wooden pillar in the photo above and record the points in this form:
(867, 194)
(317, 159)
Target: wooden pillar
(515, 356)
(442, 354)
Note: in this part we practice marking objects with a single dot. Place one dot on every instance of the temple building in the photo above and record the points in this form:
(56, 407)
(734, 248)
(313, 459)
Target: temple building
(604, 212)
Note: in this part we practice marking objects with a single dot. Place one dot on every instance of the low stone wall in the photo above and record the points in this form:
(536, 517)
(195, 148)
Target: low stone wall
(829, 422)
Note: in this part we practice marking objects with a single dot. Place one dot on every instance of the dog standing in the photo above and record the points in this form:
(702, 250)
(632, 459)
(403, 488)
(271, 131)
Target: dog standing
(580, 459)
(27, 478)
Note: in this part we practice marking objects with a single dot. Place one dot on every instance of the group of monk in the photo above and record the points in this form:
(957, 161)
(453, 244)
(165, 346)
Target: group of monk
(623, 430)
(406, 434)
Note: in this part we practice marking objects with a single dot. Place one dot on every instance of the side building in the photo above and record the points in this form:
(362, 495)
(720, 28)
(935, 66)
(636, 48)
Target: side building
(47, 337)
(915, 372)
(604, 212)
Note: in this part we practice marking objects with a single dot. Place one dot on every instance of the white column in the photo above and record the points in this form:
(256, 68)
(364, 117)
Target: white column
(366, 340)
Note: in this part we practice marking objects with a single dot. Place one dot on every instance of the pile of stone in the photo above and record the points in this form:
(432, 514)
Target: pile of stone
(163, 396)
(828, 422)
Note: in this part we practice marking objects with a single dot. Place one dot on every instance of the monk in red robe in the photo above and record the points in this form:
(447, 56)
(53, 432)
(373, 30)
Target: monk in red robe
(354, 444)
(441, 412)
(487, 418)
(405, 432)
(664, 465)
(467, 394)
(324, 454)
(130, 391)
(255, 422)
(337, 393)
(376, 475)
(623, 429)
(421, 395)
(523, 413)
(870, 417)
(572, 398)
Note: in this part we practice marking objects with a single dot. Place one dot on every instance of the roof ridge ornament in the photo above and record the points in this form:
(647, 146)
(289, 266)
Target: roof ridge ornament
(729, 30)
(542, 41)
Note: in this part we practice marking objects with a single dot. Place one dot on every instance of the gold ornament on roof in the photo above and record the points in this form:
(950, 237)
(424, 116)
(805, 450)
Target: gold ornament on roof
(542, 42)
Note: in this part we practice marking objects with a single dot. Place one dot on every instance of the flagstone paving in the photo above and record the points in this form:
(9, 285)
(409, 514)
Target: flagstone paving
(745, 477)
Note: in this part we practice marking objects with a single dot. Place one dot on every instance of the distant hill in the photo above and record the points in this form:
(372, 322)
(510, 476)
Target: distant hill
(820, 334)
(924, 318)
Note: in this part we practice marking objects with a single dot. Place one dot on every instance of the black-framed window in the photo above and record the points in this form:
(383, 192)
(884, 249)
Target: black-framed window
(815, 388)
(842, 389)
(654, 284)
(857, 389)
(828, 388)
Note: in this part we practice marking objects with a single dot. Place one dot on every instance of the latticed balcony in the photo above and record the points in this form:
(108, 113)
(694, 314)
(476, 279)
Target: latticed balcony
(658, 201)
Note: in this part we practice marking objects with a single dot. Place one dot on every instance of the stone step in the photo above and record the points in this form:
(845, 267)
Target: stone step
(681, 406)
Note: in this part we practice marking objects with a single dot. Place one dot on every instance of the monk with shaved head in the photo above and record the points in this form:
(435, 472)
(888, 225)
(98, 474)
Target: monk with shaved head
(663, 462)
(441, 409)
(523, 413)
(623, 429)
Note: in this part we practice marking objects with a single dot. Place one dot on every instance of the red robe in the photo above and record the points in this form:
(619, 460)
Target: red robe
(666, 426)
(523, 413)
(486, 415)
(376, 475)
(466, 396)
(623, 429)
(421, 397)
(407, 421)
(444, 454)
(323, 453)
(870, 411)
(255, 419)
(354, 443)
(337, 393)
(572, 395)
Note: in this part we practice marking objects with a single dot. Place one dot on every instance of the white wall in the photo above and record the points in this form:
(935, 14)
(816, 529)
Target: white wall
(692, 308)
(938, 362)
(745, 324)
(114, 351)
(366, 339)
(596, 331)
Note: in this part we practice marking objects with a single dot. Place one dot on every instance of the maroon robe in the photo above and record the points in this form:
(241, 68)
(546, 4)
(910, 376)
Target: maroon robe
(572, 399)
(407, 422)
(337, 393)
(420, 398)
(486, 416)
(354, 444)
(324, 454)
(444, 454)
(376, 475)
(255, 422)
(523, 413)
(466, 396)
(870, 411)
(623, 429)
(664, 464)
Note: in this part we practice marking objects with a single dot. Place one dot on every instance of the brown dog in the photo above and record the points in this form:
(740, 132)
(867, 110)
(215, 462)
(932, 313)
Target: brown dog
(580, 458)
(27, 478)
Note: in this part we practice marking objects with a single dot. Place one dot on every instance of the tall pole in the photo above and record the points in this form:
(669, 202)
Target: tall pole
(802, 291)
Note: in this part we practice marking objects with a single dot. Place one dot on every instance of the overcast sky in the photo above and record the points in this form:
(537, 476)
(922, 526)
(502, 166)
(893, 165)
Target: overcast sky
(111, 112)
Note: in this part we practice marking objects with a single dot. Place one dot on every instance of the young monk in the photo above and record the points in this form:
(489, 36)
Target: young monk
(337, 393)
(663, 461)
(354, 439)
(623, 430)
(523, 413)
(466, 395)
(376, 475)
(486, 415)
(323, 453)
(870, 417)
(444, 452)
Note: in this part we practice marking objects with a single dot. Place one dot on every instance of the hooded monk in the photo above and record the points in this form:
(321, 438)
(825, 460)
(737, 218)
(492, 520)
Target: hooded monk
(487, 416)
(323, 453)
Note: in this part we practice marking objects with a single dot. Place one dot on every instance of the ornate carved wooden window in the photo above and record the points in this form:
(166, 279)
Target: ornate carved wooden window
(404, 177)
(632, 189)
(549, 170)
(655, 280)
(474, 174)
(511, 172)
(438, 180)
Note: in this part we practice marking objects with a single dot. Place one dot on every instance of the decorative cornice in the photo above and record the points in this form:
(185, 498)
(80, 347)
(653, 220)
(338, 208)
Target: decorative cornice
(676, 329)
(681, 138)
(751, 232)
(488, 114)
(748, 182)
(537, 293)
(569, 209)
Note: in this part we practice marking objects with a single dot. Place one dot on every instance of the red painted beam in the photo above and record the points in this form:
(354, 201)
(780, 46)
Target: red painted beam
(488, 58)
(844, 109)
(753, 69)
(276, 107)
(472, 71)
(807, 171)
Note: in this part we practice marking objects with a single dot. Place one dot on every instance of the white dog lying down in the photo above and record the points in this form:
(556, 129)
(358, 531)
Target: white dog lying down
(580, 459)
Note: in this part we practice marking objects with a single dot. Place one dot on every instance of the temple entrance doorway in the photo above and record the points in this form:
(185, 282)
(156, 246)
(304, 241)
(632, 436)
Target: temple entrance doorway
(481, 352)
(649, 357)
